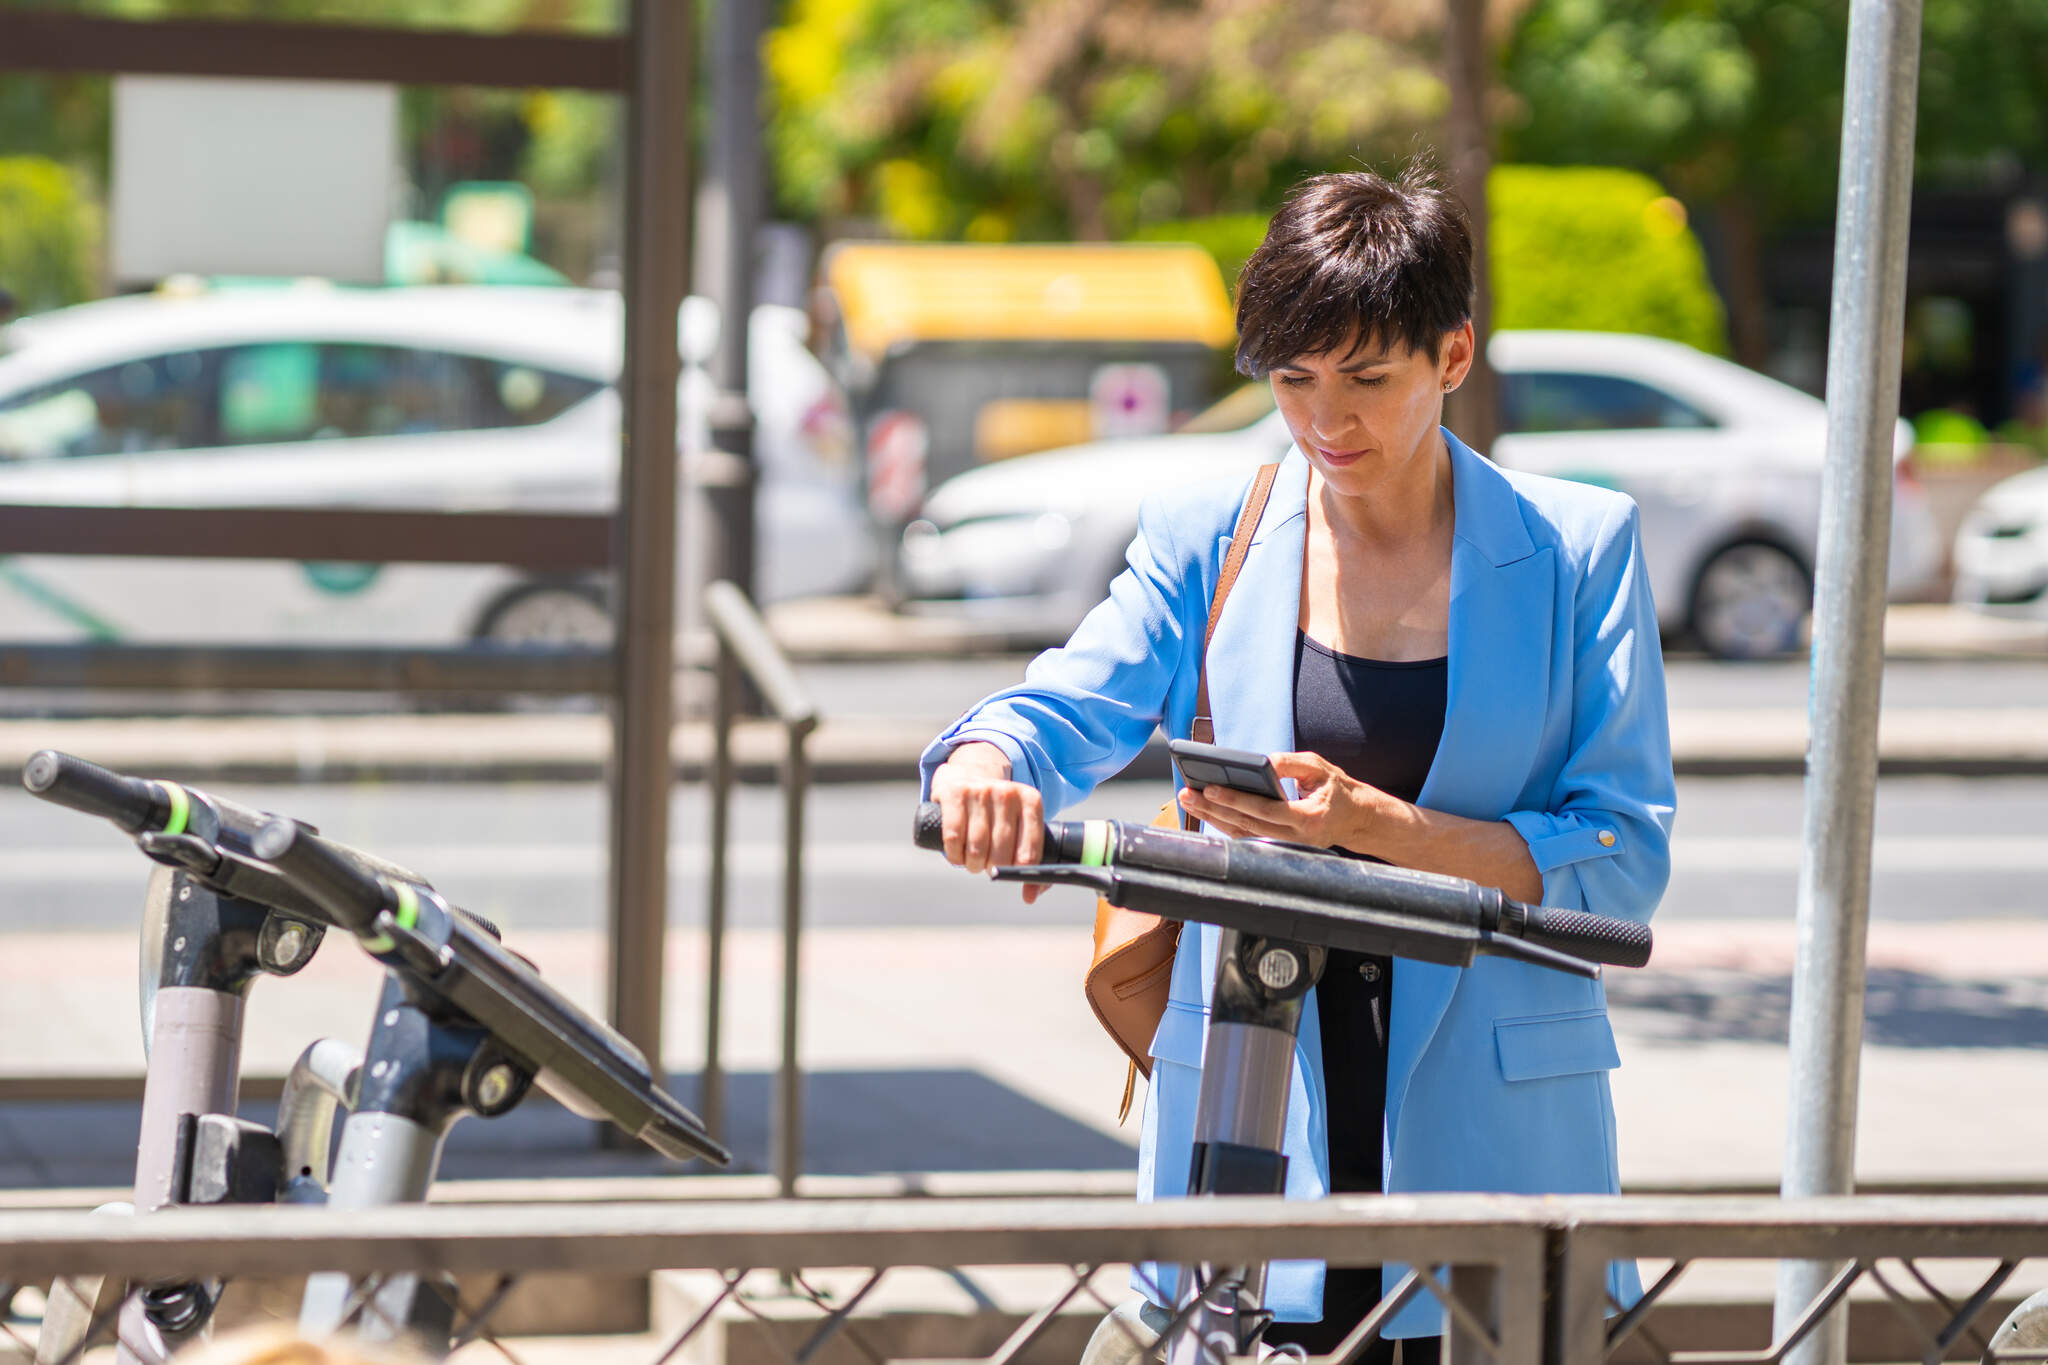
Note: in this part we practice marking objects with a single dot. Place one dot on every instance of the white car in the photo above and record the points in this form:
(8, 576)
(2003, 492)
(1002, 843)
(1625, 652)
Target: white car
(2001, 549)
(429, 398)
(1724, 462)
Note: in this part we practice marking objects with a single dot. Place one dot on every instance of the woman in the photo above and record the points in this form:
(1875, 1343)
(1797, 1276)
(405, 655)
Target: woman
(1459, 667)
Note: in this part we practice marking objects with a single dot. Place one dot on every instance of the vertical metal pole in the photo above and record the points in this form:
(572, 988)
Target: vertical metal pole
(1848, 629)
(712, 1094)
(789, 1112)
(656, 275)
(729, 219)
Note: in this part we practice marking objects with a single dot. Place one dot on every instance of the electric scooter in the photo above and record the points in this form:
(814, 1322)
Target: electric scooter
(462, 1026)
(1281, 908)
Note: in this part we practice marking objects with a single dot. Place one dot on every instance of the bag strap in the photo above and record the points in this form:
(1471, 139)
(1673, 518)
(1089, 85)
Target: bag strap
(1203, 731)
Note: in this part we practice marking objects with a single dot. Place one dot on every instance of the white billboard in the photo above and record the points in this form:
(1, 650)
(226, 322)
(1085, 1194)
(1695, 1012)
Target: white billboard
(252, 177)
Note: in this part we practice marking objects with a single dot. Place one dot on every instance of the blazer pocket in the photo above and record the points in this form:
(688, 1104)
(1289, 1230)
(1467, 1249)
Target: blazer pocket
(1179, 1038)
(1538, 1045)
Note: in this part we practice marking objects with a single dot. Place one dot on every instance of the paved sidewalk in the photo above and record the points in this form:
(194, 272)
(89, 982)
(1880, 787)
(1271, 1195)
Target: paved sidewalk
(970, 1050)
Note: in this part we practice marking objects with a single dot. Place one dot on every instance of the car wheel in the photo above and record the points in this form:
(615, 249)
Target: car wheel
(1750, 601)
(548, 614)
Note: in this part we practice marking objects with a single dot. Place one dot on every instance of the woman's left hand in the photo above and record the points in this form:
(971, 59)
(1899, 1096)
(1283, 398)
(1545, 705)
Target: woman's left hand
(1330, 809)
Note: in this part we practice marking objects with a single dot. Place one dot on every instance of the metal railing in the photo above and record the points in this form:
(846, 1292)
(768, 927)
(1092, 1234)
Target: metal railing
(744, 647)
(1524, 1278)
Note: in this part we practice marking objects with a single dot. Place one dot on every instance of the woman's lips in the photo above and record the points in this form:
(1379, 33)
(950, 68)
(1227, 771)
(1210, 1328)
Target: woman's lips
(1339, 456)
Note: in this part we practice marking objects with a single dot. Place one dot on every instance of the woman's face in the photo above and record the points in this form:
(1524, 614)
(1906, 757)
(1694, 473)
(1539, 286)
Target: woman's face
(1364, 417)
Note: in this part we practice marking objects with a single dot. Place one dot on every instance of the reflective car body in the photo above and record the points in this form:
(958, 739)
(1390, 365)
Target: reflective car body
(1724, 462)
(429, 398)
(2001, 548)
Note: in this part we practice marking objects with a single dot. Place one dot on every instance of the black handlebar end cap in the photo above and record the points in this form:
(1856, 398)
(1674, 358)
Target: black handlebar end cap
(929, 830)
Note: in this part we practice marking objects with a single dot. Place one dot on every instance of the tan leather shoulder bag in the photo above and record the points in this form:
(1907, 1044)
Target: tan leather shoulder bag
(1128, 978)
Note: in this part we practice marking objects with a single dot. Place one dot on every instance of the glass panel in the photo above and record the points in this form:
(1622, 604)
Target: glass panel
(1561, 401)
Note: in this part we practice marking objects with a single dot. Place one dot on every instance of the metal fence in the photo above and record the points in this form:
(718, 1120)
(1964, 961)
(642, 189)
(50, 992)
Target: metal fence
(805, 1282)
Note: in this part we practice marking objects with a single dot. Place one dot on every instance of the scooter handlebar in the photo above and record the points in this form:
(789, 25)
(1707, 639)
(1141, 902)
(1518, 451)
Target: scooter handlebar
(1576, 933)
(133, 803)
(1595, 938)
(350, 892)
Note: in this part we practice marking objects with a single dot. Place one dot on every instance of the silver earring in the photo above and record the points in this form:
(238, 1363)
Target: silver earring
(1448, 388)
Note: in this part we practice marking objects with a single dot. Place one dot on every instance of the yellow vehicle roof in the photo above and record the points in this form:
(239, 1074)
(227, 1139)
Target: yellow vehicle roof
(891, 293)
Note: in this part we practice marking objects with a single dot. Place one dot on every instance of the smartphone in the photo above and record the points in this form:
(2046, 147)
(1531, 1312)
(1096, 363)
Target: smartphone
(1212, 765)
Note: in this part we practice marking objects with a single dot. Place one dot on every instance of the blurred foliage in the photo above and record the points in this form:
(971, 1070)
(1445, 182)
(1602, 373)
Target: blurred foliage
(1744, 97)
(49, 234)
(1947, 427)
(1000, 120)
(1231, 238)
(1598, 249)
(1581, 247)
(556, 141)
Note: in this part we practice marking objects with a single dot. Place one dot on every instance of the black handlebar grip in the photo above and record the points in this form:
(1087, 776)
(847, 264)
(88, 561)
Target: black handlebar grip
(928, 831)
(1596, 938)
(133, 803)
(351, 893)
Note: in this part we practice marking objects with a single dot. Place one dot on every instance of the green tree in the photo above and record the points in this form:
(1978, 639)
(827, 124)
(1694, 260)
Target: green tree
(1009, 119)
(1737, 104)
(1592, 248)
(49, 234)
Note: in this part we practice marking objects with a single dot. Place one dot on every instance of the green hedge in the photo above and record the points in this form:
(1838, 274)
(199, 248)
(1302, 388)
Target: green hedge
(1579, 247)
(49, 234)
(1595, 249)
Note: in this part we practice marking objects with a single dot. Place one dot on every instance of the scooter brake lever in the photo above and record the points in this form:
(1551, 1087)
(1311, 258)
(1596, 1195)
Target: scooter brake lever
(1101, 880)
(187, 851)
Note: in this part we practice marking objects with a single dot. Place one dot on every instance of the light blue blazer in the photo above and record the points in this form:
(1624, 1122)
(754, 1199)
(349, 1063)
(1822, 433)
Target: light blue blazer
(1555, 722)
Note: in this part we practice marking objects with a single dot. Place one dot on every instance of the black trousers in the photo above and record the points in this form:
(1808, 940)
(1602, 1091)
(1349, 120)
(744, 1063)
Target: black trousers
(1354, 1001)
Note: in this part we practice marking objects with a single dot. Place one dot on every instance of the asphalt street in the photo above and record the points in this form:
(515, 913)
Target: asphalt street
(530, 855)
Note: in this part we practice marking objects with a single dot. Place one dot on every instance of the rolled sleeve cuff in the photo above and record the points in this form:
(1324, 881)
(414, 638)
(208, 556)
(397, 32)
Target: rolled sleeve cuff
(1557, 841)
(940, 749)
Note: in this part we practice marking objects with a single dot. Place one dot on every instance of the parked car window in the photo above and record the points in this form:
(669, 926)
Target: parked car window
(151, 403)
(1539, 401)
(526, 395)
(292, 391)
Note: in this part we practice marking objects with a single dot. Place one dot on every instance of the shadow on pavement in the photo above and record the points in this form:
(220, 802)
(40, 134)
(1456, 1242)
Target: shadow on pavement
(1901, 1008)
(856, 1123)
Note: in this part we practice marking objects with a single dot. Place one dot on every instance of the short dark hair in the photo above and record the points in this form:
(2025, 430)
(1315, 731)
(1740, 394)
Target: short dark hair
(1355, 260)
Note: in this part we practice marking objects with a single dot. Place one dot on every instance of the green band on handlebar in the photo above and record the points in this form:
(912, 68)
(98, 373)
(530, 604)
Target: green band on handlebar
(181, 808)
(1095, 843)
(405, 915)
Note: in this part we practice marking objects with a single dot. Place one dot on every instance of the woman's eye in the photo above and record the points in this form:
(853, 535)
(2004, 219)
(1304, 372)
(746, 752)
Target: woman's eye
(1371, 381)
(1294, 381)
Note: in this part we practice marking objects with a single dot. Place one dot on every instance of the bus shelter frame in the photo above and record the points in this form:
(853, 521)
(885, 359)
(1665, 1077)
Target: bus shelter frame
(650, 64)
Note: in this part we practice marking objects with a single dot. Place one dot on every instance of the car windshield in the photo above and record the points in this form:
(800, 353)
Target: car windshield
(1234, 411)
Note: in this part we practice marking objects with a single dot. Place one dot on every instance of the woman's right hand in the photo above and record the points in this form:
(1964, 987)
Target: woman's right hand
(988, 820)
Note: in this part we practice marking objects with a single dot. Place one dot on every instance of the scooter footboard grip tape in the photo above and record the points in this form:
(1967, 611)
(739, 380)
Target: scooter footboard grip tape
(130, 802)
(1596, 938)
(329, 878)
(929, 831)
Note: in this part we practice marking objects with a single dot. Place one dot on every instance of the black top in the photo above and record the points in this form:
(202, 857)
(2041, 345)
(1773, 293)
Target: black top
(1380, 722)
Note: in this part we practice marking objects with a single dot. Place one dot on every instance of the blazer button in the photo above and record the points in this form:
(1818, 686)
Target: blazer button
(1369, 970)
(1607, 838)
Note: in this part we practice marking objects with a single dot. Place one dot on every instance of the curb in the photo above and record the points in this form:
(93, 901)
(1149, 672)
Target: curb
(833, 759)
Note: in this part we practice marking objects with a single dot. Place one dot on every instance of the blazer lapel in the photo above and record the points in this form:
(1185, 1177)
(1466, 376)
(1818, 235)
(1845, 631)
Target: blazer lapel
(1502, 596)
(1251, 656)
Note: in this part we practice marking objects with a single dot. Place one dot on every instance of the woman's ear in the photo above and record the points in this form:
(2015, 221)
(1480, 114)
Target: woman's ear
(1459, 348)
